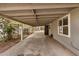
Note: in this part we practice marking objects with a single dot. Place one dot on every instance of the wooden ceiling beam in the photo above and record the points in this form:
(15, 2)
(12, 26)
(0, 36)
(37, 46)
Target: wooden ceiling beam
(53, 15)
(46, 13)
(30, 6)
(8, 17)
(37, 17)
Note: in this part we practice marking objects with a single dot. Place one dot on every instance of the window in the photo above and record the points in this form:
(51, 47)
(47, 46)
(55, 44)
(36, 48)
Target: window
(64, 26)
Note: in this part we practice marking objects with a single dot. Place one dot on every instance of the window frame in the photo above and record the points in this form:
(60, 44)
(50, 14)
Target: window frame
(61, 34)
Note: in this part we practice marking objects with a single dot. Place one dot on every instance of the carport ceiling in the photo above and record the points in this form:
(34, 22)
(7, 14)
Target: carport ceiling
(35, 14)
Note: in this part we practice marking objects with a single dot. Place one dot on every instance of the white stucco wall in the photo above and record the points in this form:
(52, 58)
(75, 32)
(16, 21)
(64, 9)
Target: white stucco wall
(71, 43)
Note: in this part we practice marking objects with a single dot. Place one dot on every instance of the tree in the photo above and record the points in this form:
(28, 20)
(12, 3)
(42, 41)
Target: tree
(8, 29)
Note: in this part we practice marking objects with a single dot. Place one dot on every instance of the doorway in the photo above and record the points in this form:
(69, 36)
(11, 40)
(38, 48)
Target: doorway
(46, 30)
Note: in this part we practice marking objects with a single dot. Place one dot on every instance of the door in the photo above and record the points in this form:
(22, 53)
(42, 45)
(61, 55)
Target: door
(46, 29)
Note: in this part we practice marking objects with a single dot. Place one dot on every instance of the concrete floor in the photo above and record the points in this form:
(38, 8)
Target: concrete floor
(38, 44)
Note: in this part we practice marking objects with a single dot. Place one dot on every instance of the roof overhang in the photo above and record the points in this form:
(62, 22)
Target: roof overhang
(36, 14)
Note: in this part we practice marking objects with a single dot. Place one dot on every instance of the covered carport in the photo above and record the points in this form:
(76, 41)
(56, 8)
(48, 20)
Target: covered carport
(37, 14)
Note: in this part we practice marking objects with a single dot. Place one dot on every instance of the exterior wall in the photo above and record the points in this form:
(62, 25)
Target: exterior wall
(71, 43)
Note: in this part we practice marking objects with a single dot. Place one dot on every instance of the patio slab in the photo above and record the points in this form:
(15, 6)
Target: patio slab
(37, 44)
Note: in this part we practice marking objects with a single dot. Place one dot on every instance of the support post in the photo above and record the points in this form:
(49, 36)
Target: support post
(21, 32)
